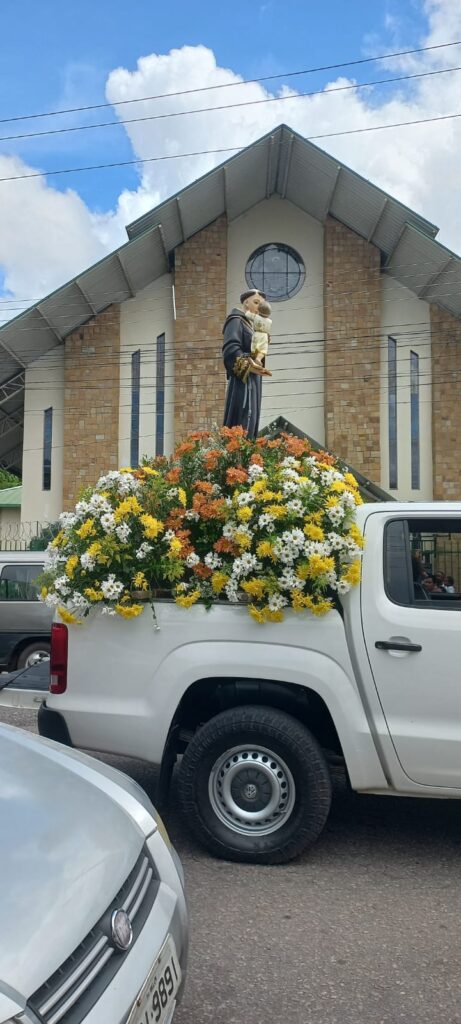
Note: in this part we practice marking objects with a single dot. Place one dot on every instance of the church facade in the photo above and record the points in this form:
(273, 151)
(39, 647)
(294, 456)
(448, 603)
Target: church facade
(365, 351)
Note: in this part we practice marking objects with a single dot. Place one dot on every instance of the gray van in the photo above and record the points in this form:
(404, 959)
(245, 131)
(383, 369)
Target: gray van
(25, 623)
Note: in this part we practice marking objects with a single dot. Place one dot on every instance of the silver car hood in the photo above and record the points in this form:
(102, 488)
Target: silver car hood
(68, 842)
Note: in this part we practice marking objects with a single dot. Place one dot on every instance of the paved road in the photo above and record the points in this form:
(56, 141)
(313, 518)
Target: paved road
(363, 930)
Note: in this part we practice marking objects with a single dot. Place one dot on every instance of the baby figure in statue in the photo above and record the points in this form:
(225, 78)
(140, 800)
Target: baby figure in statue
(262, 325)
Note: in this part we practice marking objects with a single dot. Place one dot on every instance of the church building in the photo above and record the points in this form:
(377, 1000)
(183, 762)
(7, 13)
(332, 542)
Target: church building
(365, 355)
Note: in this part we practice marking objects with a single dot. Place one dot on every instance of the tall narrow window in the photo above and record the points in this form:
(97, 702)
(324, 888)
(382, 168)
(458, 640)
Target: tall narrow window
(135, 389)
(160, 397)
(414, 407)
(392, 409)
(47, 445)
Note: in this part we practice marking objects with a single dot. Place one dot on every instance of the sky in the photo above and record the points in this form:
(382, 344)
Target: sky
(56, 56)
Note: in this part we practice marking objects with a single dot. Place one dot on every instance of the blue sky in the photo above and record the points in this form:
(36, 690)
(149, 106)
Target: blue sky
(55, 55)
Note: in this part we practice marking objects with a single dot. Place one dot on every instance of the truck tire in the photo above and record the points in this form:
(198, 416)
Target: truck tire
(254, 786)
(33, 654)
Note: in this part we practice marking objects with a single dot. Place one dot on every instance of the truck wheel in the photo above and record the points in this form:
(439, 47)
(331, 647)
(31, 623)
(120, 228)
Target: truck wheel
(254, 786)
(33, 654)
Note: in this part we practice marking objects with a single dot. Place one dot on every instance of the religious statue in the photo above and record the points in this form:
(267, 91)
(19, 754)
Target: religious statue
(246, 341)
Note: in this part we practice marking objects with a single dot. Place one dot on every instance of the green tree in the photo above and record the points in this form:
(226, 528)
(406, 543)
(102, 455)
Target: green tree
(8, 479)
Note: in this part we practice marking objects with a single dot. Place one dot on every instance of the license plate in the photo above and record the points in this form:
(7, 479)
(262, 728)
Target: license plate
(156, 1000)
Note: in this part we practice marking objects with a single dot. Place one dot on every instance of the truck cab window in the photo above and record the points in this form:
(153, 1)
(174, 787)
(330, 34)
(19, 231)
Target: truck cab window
(422, 561)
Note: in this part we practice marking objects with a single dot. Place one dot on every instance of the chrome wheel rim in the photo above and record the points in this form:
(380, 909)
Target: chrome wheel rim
(36, 658)
(251, 790)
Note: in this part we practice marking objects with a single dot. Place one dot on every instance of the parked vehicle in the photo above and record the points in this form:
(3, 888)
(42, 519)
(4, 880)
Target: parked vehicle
(25, 623)
(259, 713)
(92, 905)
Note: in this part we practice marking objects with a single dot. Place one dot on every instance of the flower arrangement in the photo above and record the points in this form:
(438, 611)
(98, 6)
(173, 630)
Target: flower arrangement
(267, 522)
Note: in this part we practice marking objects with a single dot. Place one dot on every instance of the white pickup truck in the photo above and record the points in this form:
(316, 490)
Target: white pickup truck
(260, 713)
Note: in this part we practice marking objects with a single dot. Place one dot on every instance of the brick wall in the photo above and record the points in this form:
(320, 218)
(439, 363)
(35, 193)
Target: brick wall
(446, 406)
(352, 348)
(91, 402)
(200, 287)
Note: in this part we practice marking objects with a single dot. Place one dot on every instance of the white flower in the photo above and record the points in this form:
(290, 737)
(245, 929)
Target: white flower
(232, 592)
(108, 611)
(288, 580)
(128, 484)
(62, 585)
(343, 586)
(276, 602)
(192, 560)
(217, 489)
(81, 509)
(289, 487)
(192, 515)
(327, 477)
(212, 560)
(108, 522)
(255, 472)
(87, 561)
(266, 520)
(289, 474)
(51, 600)
(68, 519)
(229, 530)
(143, 550)
(296, 507)
(168, 535)
(99, 504)
(79, 602)
(291, 462)
(335, 514)
(247, 498)
(111, 588)
(123, 532)
(172, 493)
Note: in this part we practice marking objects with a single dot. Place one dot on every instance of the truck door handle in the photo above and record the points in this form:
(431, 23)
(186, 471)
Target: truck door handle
(397, 645)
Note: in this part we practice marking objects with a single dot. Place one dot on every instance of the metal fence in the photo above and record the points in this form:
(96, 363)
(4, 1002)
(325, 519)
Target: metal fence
(442, 553)
(25, 536)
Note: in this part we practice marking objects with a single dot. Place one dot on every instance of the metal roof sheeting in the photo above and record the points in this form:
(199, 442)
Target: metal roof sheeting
(10, 497)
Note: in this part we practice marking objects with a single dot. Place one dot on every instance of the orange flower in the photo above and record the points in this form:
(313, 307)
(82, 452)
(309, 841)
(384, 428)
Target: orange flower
(231, 432)
(199, 435)
(325, 457)
(209, 509)
(211, 458)
(261, 442)
(295, 445)
(202, 570)
(236, 476)
(225, 546)
(173, 476)
(234, 445)
(256, 459)
(203, 486)
(276, 443)
(182, 449)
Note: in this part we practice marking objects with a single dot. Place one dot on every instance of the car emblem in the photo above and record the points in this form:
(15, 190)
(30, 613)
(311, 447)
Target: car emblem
(121, 930)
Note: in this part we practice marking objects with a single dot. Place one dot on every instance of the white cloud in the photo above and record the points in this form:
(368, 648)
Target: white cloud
(47, 236)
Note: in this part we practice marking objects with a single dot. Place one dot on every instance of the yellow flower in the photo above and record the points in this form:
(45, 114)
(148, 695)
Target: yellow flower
(314, 532)
(319, 566)
(182, 497)
(94, 549)
(129, 611)
(242, 540)
(93, 595)
(56, 543)
(86, 529)
(140, 582)
(271, 496)
(127, 506)
(149, 471)
(274, 616)
(126, 469)
(356, 535)
(152, 526)
(244, 514)
(338, 486)
(218, 581)
(188, 600)
(259, 486)
(67, 617)
(253, 587)
(298, 600)
(265, 549)
(303, 570)
(43, 592)
(71, 565)
(175, 546)
(258, 614)
(353, 573)
(350, 480)
(278, 511)
(320, 607)
(331, 502)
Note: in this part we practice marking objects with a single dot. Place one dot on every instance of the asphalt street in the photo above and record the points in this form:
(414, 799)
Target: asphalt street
(365, 929)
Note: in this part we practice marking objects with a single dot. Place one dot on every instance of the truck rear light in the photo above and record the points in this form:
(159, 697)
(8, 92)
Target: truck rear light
(58, 658)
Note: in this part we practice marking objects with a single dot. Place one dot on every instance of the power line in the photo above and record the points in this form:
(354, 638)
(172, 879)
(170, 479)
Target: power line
(228, 106)
(226, 149)
(229, 85)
